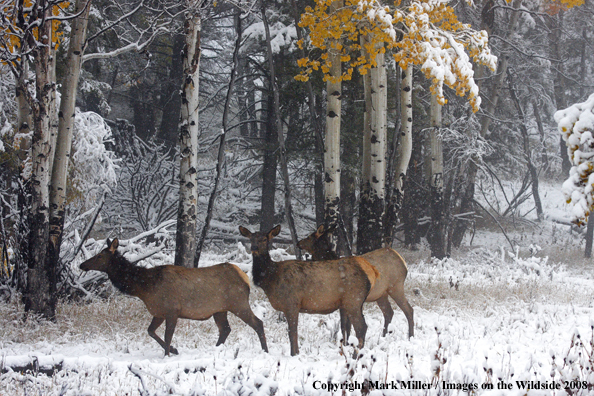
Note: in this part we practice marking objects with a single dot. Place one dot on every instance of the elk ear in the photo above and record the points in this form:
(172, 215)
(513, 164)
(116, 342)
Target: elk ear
(108, 242)
(245, 232)
(274, 232)
(320, 230)
(114, 245)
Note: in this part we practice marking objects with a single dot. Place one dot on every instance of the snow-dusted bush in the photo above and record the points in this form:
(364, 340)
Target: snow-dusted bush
(93, 166)
(576, 125)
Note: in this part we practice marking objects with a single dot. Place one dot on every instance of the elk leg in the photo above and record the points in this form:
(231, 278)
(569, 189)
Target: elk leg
(220, 319)
(386, 308)
(156, 322)
(345, 326)
(292, 321)
(169, 329)
(402, 302)
(359, 324)
(248, 316)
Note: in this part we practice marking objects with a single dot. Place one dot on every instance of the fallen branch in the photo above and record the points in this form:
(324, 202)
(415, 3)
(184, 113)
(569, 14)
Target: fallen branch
(499, 224)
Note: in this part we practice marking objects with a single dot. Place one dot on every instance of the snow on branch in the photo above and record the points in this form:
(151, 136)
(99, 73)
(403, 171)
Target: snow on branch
(425, 33)
(576, 125)
(93, 170)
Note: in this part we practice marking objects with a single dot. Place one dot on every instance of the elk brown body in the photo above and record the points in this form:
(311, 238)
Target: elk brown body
(311, 287)
(172, 292)
(389, 263)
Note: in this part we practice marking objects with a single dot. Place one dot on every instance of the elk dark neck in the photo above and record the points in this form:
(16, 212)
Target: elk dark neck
(329, 255)
(263, 268)
(125, 276)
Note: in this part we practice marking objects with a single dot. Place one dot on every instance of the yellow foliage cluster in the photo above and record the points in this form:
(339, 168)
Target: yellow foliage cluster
(426, 33)
(12, 34)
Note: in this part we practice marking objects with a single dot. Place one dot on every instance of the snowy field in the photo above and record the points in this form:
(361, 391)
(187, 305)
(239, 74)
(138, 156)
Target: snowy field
(486, 320)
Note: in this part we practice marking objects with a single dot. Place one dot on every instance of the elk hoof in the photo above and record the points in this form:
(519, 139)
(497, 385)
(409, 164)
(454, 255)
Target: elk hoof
(173, 351)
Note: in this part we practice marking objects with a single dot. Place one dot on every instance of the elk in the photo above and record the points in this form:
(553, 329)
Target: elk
(389, 263)
(311, 287)
(173, 292)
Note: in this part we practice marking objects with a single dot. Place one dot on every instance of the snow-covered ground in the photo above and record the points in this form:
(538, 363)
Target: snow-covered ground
(488, 317)
(483, 317)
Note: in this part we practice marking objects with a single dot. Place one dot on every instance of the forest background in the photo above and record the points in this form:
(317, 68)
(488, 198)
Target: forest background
(211, 113)
(409, 124)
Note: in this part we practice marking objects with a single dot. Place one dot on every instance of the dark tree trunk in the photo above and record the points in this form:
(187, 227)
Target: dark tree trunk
(466, 206)
(347, 212)
(589, 236)
(415, 198)
(270, 148)
(526, 147)
(370, 231)
(221, 152)
(171, 102)
(555, 42)
(319, 197)
(281, 138)
(144, 111)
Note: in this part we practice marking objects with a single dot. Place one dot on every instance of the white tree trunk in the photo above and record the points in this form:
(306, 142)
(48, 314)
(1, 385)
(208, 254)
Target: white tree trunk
(373, 186)
(379, 104)
(332, 143)
(405, 146)
(41, 277)
(188, 141)
(434, 172)
(24, 116)
(65, 128)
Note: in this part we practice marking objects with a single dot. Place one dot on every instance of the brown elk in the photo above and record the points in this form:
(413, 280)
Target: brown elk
(389, 263)
(311, 287)
(172, 292)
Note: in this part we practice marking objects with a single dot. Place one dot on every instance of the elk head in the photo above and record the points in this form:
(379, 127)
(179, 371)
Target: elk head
(260, 242)
(318, 243)
(100, 262)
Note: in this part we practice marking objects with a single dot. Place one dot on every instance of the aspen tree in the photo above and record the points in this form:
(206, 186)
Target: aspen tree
(188, 139)
(333, 119)
(423, 33)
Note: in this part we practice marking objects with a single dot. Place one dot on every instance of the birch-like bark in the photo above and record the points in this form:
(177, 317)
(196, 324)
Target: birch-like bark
(281, 139)
(372, 206)
(188, 141)
(405, 146)
(24, 116)
(40, 295)
(434, 172)
(332, 141)
(403, 153)
(65, 129)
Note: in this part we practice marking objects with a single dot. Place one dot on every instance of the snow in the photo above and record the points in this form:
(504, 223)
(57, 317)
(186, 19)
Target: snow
(280, 35)
(95, 170)
(576, 124)
(483, 316)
